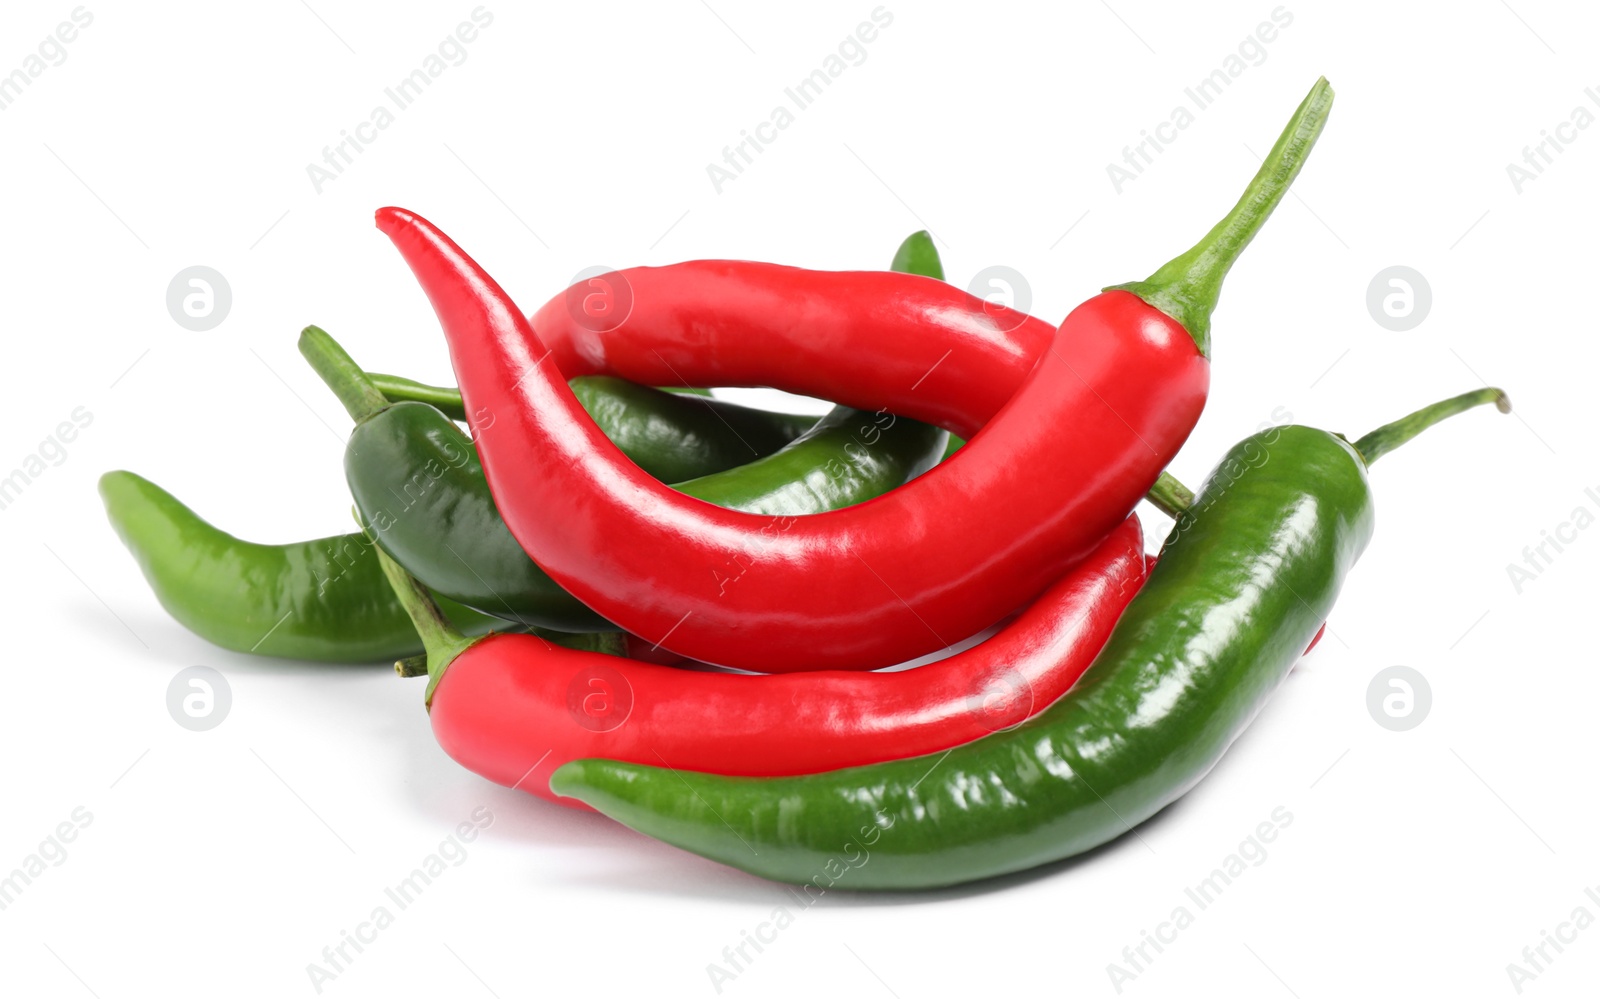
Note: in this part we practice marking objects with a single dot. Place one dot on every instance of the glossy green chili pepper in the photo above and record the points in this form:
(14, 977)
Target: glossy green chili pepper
(674, 434)
(1245, 579)
(397, 388)
(918, 255)
(325, 600)
(417, 482)
(447, 399)
(317, 600)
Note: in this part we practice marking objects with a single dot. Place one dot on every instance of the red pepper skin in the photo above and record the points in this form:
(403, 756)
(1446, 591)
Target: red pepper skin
(512, 708)
(1316, 638)
(1104, 410)
(874, 340)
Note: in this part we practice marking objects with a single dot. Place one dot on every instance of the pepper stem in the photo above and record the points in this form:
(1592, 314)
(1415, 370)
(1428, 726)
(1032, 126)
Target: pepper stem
(397, 389)
(360, 396)
(1391, 435)
(1170, 496)
(441, 641)
(1187, 286)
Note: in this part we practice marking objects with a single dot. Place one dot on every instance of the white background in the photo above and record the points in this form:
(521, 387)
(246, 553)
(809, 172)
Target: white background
(224, 862)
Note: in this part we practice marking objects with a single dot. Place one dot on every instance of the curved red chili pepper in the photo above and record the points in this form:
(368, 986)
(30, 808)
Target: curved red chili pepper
(513, 708)
(1112, 397)
(881, 342)
(908, 573)
(927, 350)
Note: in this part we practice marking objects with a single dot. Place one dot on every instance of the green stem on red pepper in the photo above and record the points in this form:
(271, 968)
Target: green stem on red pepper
(1187, 286)
(441, 642)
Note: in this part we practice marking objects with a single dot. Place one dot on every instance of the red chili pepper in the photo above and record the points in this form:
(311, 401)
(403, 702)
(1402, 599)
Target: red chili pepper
(906, 574)
(513, 708)
(875, 340)
(1104, 410)
(1112, 398)
(1316, 638)
(878, 341)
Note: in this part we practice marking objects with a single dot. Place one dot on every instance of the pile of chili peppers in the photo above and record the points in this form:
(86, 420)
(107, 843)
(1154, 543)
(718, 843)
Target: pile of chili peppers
(588, 630)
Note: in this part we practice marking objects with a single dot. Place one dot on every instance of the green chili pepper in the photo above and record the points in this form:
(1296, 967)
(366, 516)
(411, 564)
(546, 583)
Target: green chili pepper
(674, 434)
(397, 388)
(325, 599)
(417, 482)
(1245, 579)
(918, 255)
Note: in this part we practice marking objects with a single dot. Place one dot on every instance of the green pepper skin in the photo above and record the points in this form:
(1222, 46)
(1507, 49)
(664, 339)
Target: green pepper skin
(1244, 581)
(418, 483)
(847, 457)
(674, 434)
(271, 600)
(419, 487)
(325, 600)
(918, 255)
